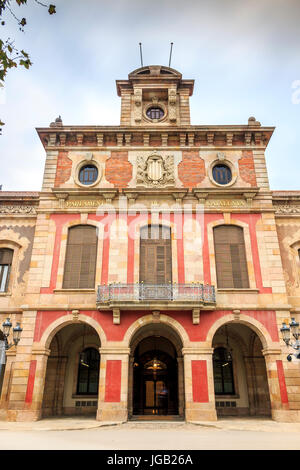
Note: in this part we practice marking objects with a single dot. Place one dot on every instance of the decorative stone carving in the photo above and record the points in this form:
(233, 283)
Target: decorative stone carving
(119, 140)
(221, 156)
(62, 139)
(156, 316)
(286, 209)
(116, 316)
(236, 314)
(229, 138)
(164, 140)
(79, 139)
(127, 139)
(248, 138)
(210, 138)
(17, 209)
(191, 139)
(155, 170)
(52, 140)
(172, 105)
(196, 316)
(182, 140)
(137, 98)
(75, 314)
(100, 140)
(146, 138)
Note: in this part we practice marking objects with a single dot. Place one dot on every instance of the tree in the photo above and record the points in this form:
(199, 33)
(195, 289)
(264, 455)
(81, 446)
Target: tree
(10, 55)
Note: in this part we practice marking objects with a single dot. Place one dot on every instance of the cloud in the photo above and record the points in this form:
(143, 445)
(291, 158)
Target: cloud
(242, 54)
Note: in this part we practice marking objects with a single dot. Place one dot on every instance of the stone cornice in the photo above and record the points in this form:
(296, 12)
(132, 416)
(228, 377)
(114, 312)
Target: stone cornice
(196, 137)
(18, 203)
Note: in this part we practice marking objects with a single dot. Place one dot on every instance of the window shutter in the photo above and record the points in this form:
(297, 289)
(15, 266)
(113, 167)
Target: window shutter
(230, 254)
(81, 254)
(6, 256)
(155, 255)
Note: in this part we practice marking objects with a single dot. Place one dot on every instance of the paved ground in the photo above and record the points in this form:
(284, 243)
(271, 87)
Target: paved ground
(80, 433)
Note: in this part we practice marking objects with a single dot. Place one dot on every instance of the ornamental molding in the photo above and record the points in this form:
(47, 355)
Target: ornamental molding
(286, 209)
(17, 209)
(155, 170)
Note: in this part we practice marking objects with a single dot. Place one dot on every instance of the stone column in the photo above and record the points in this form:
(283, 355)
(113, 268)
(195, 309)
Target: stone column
(39, 362)
(22, 377)
(130, 386)
(113, 384)
(180, 386)
(6, 385)
(199, 385)
(277, 387)
(60, 385)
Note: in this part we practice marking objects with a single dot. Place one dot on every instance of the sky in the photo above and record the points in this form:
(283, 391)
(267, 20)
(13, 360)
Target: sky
(244, 56)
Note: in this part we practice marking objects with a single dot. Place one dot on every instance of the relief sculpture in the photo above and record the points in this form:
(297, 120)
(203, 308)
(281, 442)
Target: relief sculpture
(155, 171)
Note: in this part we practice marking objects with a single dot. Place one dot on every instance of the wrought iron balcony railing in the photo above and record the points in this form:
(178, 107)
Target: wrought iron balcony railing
(151, 292)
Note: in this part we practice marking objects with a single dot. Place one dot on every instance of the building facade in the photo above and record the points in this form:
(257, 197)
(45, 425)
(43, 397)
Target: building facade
(153, 271)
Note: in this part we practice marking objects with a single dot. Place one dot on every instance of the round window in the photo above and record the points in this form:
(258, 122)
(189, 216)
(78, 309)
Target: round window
(155, 113)
(88, 174)
(222, 174)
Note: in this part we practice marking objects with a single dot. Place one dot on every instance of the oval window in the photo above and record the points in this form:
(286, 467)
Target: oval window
(222, 174)
(88, 174)
(155, 113)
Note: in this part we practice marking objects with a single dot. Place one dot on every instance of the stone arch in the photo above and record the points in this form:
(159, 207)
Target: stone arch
(252, 323)
(148, 320)
(250, 391)
(169, 331)
(65, 320)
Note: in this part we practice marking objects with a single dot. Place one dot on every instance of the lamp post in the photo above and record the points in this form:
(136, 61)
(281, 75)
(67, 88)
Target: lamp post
(286, 336)
(4, 344)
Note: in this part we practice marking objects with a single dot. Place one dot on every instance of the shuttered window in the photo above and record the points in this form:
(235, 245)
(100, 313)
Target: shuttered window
(80, 264)
(230, 255)
(155, 255)
(6, 256)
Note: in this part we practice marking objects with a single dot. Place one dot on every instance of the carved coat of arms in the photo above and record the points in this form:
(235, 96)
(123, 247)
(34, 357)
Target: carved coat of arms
(155, 170)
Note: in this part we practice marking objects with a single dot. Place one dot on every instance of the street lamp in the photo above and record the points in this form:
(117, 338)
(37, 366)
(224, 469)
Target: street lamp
(286, 336)
(4, 344)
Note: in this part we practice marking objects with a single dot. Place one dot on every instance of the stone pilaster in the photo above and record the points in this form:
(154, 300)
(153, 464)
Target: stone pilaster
(199, 386)
(113, 384)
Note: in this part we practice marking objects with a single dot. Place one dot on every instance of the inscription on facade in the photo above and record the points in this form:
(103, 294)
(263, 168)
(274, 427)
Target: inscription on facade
(225, 203)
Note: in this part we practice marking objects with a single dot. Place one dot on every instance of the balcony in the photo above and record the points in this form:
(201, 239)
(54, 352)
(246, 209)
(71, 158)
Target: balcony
(156, 296)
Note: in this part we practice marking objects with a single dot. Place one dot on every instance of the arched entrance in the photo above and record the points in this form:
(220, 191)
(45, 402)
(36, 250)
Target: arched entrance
(156, 373)
(240, 376)
(72, 375)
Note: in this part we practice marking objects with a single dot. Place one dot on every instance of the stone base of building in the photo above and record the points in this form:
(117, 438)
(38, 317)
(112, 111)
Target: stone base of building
(21, 415)
(112, 413)
(286, 416)
(194, 415)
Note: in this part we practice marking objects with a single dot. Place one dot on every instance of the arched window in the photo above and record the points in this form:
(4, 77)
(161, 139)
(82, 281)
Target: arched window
(155, 255)
(6, 256)
(88, 373)
(81, 254)
(230, 255)
(223, 372)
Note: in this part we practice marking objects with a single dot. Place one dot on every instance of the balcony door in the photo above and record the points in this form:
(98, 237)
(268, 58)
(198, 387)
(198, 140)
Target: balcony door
(155, 255)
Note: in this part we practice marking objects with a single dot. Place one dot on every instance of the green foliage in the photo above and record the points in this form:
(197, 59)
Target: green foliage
(10, 55)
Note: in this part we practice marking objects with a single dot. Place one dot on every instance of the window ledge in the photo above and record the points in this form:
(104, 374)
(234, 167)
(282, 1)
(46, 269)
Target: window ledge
(92, 397)
(234, 290)
(226, 397)
(5, 294)
(69, 291)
